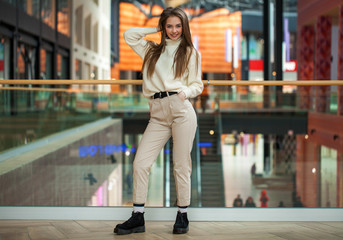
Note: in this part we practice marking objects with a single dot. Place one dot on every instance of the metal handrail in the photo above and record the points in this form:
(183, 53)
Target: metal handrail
(206, 82)
(37, 89)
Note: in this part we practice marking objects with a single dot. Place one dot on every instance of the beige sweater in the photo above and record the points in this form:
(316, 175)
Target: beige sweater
(163, 77)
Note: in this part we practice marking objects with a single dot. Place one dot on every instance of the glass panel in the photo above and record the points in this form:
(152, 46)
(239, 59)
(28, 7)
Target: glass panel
(62, 67)
(63, 18)
(83, 142)
(48, 12)
(4, 58)
(255, 56)
(46, 64)
(26, 61)
(5, 107)
(31, 7)
(94, 74)
(88, 74)
(13, 2)
(23, 5)
(87, 71)
(289, 44)
(21, 64)
(75, 145)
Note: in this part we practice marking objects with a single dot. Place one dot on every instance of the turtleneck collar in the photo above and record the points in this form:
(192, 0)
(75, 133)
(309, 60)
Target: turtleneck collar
(170, 42)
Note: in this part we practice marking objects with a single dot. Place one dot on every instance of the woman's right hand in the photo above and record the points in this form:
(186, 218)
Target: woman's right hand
(182, 96)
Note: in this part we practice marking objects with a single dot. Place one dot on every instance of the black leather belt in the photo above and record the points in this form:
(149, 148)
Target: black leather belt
(163, 94)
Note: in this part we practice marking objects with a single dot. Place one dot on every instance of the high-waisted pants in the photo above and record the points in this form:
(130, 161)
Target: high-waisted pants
(169, 116)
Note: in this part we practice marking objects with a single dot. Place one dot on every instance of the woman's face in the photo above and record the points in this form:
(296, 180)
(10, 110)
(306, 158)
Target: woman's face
(174, 27)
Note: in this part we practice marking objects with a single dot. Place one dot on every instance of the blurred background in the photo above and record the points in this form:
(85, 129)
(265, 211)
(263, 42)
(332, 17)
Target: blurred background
(73, 145)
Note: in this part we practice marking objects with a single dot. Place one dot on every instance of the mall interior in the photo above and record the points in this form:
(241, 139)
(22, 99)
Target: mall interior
(67, 145)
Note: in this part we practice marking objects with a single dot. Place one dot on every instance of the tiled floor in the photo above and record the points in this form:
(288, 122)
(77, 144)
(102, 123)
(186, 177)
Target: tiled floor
(94, 230)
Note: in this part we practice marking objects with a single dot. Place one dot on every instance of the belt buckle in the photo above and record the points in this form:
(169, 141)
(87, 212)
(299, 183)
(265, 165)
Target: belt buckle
(160, 93)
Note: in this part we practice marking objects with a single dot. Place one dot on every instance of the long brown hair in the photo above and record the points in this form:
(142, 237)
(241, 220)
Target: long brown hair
(184, 51)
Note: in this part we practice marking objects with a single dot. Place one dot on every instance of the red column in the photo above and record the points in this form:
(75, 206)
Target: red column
(323, 61)
(340, 64)
(340, 110)
(306, 62)
(340, 179)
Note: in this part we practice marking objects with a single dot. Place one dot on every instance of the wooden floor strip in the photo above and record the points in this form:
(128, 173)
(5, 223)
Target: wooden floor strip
(103, 230)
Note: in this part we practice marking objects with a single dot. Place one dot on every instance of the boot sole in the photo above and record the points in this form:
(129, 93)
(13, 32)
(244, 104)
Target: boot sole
(120, 231)
(180, 230)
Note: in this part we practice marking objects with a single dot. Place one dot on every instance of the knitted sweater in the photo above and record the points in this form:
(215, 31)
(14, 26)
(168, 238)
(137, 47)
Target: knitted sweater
(163, 77)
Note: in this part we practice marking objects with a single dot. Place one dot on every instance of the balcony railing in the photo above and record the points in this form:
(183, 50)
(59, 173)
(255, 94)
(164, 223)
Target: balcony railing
(72, 143)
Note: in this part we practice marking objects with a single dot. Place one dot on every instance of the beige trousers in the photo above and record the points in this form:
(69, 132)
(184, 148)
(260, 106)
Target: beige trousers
(169, 116)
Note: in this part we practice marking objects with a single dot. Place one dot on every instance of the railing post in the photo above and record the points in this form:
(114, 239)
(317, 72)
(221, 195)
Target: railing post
(278, 50)
(266, 60)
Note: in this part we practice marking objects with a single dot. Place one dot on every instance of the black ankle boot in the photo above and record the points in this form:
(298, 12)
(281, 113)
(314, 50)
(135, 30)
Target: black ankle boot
(181, 223)
(135, 224)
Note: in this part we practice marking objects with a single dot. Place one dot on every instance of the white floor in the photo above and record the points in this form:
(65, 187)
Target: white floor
(236, 167)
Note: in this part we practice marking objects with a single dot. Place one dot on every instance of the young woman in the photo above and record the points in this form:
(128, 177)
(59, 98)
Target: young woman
(171, 75)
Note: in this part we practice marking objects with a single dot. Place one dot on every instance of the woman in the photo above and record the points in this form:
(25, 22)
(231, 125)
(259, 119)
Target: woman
(171, 75)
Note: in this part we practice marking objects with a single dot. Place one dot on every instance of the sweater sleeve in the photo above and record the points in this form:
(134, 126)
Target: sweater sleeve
(195, 85)
(134, 38)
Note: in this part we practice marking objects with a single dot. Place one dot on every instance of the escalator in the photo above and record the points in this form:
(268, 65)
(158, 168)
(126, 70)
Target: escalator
(211, 190)
(212, 184)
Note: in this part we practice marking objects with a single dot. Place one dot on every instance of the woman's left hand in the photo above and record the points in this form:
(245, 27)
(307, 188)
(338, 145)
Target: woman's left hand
(182, 96)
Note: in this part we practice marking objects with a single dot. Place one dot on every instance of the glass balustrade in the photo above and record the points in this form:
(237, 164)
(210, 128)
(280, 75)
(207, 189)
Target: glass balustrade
(255, 146)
